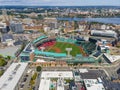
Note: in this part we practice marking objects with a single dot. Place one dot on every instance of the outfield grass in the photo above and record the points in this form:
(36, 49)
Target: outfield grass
(62, 48)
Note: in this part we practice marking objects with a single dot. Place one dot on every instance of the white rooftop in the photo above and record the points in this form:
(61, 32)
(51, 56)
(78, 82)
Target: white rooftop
(40, 60)
(93, 84)
(44, 84)
(60, 84)
(11, 77)
(57, 74)
(112, 58)
(46, 75)
(83, 70)
(104, 31)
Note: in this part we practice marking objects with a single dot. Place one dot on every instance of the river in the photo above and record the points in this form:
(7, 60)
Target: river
(101, 20)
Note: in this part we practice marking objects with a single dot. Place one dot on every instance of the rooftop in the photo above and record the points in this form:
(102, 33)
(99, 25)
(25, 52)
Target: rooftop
(93, 84)
(6, 37)
(57, 74)
(89, 74)
(44, 84)
(39, 38)
(11, 77)
(50, 54)
(105, 31)
(112, 58)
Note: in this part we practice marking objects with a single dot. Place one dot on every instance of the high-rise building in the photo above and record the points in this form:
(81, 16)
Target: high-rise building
(51, 22)
(7, 19)
(16, 27)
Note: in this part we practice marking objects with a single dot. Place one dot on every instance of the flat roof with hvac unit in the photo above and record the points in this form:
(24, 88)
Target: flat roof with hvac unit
(11, 77)
(112, 58)
(57, 74)
(44, 84)
(107, 33)
(93, 84)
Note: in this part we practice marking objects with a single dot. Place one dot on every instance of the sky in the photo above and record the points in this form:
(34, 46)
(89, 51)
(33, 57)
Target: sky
(61, 2)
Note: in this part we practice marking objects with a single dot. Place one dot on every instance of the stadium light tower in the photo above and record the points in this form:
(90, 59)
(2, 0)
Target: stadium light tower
(68, 51)
(97, 46)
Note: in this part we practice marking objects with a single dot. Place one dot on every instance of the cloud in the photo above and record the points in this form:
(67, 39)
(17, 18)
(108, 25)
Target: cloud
(8, 1)
(60, 2)
(47, 0)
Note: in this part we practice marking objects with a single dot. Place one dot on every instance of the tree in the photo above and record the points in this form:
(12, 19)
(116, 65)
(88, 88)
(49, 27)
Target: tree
(75, 64)
(8, 57)
(76, 25)
(34, 76)
(62, 30)
(40, 17)
(100, 61)
(1, 56)
(81, 64)
(2, 62)
(39, 68)
(1, 72)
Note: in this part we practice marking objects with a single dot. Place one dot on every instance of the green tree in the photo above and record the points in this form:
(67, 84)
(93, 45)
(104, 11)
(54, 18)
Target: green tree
(8, 57)
(2, 62)
(32, 82)
(38, 68)
(40, 17)
(23, 46)
(34, 76)
(99, 61)
(1, 56)
(76, 25)
(1, 72)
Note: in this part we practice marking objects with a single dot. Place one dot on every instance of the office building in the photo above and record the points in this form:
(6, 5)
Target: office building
(7, 39)
(16, 27)
(104, 33)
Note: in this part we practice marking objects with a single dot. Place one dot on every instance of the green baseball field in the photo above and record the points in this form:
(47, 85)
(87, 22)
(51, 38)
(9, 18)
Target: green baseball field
(60, 47)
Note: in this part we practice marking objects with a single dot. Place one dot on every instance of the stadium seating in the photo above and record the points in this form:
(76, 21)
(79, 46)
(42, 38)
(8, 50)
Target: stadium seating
(47, 44)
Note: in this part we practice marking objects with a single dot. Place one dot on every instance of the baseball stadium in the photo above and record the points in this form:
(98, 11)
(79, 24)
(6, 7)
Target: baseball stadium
(70, 50)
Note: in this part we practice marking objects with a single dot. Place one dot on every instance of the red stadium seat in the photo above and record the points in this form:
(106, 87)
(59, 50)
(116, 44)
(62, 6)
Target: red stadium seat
(47, 44)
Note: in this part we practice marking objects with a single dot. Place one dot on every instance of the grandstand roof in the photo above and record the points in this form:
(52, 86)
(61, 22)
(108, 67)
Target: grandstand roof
(39, 38)
(50, 54)
(63, 39)
(24, 54)
(82, 60)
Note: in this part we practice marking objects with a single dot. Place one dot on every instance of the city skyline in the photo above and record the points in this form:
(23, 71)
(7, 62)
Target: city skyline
(61, 2)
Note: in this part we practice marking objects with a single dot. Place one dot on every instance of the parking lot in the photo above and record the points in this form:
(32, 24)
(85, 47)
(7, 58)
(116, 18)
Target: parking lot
(24, 84)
